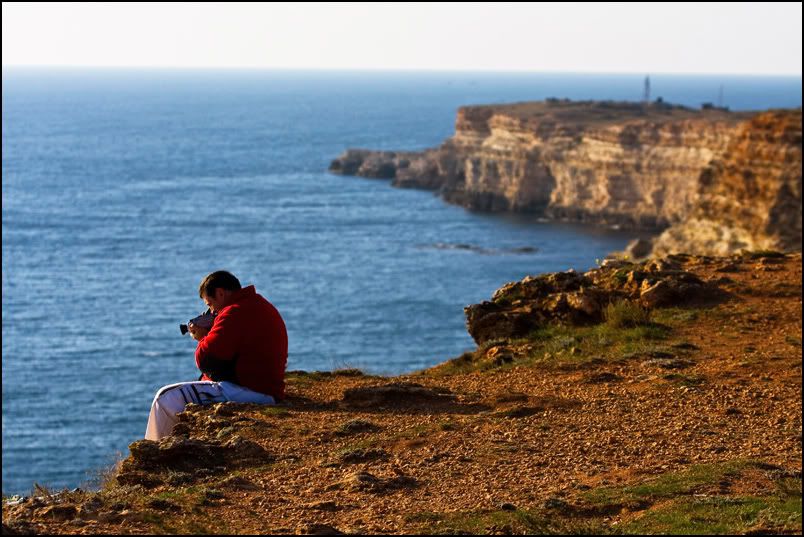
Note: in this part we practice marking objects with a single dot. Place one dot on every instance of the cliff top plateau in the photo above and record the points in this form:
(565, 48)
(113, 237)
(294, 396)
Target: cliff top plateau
(599, 113)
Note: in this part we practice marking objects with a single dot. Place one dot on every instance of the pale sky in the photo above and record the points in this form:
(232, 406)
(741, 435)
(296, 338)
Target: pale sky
(713, 38)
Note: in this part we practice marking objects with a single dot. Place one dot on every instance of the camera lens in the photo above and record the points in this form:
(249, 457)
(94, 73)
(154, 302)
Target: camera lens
(183, 328)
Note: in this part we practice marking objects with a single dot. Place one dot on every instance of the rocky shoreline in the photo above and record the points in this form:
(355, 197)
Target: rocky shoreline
(707, 181)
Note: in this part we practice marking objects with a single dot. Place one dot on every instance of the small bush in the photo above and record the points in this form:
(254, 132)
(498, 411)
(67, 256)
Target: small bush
(348, 372)
(626, 314)
(103, 478)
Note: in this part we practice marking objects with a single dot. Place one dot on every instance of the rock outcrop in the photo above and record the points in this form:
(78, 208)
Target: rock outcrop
(518, 308)
(180, 459)
(721, 181)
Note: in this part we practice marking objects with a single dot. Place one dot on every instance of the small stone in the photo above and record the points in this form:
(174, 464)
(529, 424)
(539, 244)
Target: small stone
(508, 507)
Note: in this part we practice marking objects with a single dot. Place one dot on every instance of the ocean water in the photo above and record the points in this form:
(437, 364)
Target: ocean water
(123, 188)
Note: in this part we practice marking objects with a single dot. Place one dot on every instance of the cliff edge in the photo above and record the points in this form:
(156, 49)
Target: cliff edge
(717, 181)
(655, 397)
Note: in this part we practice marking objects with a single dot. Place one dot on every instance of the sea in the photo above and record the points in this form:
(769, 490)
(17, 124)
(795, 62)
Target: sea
(123, 188)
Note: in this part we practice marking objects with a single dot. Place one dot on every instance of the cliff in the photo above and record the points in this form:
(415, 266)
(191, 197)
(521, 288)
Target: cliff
(656, 397)
(622, 164)
(749, 197)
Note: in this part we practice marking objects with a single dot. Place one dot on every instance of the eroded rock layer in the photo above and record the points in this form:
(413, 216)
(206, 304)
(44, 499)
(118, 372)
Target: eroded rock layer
(734, 176)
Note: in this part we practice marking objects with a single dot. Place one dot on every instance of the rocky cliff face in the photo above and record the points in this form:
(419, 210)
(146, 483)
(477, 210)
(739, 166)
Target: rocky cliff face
(624, 164)
(749, 197)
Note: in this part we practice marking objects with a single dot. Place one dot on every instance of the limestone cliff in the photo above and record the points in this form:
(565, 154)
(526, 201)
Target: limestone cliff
(750, 196)
(625, 164)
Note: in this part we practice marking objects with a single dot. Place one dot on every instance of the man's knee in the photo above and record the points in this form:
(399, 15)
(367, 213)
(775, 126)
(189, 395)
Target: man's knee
(170, 399)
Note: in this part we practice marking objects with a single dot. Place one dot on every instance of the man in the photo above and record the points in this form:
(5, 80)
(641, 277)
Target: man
(242, 357)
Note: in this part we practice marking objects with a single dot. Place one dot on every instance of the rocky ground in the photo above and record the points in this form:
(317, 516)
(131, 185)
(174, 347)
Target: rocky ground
(663, 397)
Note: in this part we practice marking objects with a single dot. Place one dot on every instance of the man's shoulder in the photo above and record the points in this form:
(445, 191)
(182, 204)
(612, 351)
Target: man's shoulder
(252, 301)
(265, 303)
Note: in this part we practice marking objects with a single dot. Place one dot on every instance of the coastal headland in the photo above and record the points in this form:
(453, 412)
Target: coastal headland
(708, 181)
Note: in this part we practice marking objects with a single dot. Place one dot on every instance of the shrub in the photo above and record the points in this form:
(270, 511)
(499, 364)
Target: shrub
(626, 314)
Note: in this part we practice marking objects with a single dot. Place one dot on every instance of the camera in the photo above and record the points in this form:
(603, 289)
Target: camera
(204, 320)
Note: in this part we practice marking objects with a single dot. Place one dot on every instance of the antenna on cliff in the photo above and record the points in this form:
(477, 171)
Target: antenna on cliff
(646, 96)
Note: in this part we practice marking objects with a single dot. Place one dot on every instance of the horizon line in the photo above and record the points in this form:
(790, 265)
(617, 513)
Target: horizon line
(386, 70)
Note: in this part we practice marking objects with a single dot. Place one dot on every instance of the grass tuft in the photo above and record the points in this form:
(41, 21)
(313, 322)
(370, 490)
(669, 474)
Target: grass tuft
(626, 314)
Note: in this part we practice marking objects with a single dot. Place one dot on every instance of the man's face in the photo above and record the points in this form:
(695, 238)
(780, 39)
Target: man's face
(217, 301)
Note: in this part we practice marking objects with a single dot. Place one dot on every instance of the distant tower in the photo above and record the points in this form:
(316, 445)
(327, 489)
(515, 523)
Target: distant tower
(646, 96)
(720, 97)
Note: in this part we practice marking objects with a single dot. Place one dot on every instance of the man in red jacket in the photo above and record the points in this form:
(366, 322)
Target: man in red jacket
(242, 357)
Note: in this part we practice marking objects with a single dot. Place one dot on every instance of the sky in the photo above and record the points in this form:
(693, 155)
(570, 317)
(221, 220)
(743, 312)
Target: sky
(694, 38)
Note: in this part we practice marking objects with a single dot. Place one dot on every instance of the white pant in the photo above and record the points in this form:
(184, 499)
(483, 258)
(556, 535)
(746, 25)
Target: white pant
(171, 399)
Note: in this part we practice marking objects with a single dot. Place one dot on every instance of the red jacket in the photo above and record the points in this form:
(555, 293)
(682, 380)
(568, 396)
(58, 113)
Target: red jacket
(247, 344)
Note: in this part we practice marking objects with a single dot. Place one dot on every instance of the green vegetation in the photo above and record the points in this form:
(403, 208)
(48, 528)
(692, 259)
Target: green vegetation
(357, 446)
(448, 425)
(416, 431)
(675, 316)
(689, 381)
(349, 372)
(626, 314)
(673, 503)
(277, 411)
(305, 378)
(665, 486)
(621, 275)
(628, 332)
(496, 522)
(103, 477)
(682, 502)
(721, 516)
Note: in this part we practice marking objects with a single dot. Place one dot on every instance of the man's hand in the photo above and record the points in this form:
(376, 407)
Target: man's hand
(197, 332)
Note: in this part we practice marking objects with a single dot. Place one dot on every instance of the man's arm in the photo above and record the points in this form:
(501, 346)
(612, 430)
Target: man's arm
(218, 347)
